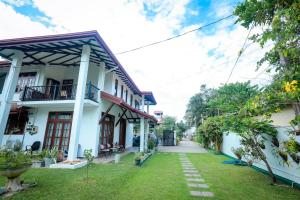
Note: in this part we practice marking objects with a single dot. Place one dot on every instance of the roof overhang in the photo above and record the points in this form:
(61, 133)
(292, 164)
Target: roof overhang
(65, 50)
(149, 98)
(123, 104)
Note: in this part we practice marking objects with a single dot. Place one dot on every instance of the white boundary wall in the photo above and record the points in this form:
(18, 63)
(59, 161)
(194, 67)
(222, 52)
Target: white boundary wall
(280, 120)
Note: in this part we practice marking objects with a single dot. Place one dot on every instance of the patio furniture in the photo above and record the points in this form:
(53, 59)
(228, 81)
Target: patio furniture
(104, 150)
(34, 147)
(114, 148)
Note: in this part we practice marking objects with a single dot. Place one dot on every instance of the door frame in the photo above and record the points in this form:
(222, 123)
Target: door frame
(55, 121)
(112, 129)
(122, 132)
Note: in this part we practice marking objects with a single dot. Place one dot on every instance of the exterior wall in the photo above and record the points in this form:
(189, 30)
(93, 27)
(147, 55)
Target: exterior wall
(280, 120)
(89, 131)
(37, 117)
(129, 135)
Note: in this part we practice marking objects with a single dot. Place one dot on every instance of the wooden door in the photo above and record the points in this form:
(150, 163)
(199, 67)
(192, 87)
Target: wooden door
(107, 130)
(58, 130)
(122, 136)
(52, 88)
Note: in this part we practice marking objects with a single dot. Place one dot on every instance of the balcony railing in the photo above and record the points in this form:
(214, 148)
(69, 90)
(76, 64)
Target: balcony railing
(58, 92)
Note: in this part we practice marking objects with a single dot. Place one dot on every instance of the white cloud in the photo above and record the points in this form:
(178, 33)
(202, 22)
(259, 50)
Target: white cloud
(17, 25)
(173, 70)
(18, 3)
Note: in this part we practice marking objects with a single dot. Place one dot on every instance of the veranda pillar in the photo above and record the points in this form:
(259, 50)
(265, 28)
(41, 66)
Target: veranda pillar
(79, 102)
(9, 90)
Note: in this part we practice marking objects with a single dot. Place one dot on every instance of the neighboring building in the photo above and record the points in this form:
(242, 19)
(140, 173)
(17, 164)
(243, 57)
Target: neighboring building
(159, 116)
(69, 91)
(281, 122)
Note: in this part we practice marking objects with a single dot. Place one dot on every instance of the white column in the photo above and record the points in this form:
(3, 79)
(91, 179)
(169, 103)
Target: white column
(143, 103)
(146, 133)
(79, 102)
(101, 82)
(142, 134)
(148, 107)
(9, 90)
(101, 76)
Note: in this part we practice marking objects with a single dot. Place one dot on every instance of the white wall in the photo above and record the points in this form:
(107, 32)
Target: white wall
(38, 117)
(280, 120)
(89, 131)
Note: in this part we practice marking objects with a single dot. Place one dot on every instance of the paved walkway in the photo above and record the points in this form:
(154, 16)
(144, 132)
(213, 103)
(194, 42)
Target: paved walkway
(185, 146)
(195, 182)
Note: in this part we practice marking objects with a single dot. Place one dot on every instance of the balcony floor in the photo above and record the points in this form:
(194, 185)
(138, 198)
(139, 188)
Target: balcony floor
(57, 103)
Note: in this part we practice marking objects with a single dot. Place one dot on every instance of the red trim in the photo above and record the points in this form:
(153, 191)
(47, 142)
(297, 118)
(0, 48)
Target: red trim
(120, 102)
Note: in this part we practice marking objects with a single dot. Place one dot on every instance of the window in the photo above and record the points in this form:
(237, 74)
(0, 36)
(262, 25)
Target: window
(116, 87)
(16, 123)
(131, 99)
(126, 95)
(137, 105)
(58, 130)
(25, 79)
(2, 80)
(122, 88)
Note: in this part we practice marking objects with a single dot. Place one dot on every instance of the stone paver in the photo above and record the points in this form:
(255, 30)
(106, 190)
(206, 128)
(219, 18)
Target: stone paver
(190, 171)
(192, 175)
(195, 179)
(202, 194)
(198, 185)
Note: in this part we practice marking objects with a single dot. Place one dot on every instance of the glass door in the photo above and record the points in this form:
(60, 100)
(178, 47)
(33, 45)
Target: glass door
(58, 130)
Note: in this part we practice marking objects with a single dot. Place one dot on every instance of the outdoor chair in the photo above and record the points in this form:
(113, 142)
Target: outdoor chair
(34, 147)
(103, 150)
(114, 148)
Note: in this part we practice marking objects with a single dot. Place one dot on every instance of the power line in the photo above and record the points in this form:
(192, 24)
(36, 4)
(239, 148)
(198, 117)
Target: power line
(176, 36)
(239, 55)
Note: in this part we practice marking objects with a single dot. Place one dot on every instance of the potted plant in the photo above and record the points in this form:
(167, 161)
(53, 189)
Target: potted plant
(239, 152)
(37, 160)
(275, 141)
(138, 158)
(283, 155)
(12, 165)
(50, 156)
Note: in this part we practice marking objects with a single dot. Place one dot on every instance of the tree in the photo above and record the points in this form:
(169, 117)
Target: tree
(230, 98)
(181, 127)
(197, 107)
(168, 123)
(211, 131)
(254, 132)
(279, 20)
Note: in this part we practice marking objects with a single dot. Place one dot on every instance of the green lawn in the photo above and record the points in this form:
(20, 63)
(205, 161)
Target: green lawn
(160, 177)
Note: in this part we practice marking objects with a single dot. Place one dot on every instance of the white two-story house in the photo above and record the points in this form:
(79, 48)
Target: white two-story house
(69, 91)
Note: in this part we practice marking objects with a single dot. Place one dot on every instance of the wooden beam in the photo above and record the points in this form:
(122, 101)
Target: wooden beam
(106, 112)
(120, 117)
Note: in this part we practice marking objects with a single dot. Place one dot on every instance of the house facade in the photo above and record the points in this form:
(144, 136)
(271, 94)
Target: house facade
(69, 91)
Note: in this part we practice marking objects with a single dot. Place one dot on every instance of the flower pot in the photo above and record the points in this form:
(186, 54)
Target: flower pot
(275, 141)
(137, 162)
(283, 155)
(48, 161)
(13, 177)
(295, 157)
(37, 163)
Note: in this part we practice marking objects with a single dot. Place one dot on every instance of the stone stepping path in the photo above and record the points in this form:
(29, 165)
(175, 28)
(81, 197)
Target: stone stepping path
(193, 178)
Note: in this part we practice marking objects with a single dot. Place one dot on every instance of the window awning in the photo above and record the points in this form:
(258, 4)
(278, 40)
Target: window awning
(124, 105)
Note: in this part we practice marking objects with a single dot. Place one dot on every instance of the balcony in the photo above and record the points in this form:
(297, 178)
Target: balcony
(58, 92)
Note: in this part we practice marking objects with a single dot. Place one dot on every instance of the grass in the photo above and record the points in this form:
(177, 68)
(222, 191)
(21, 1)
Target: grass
(160, 177)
